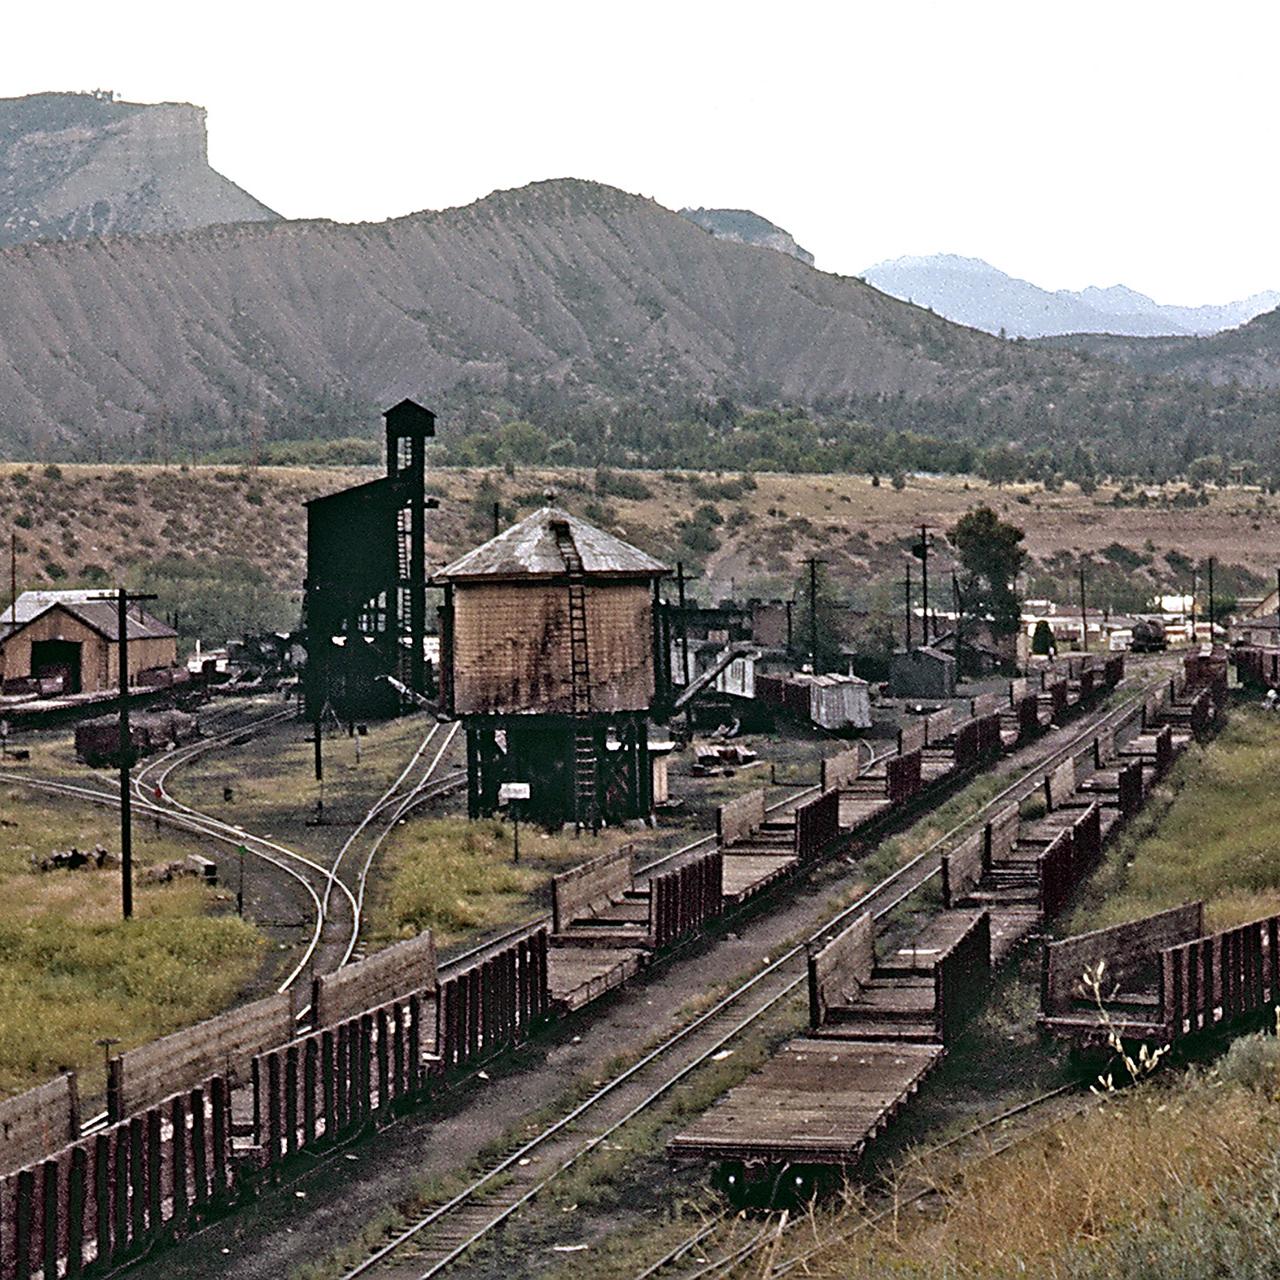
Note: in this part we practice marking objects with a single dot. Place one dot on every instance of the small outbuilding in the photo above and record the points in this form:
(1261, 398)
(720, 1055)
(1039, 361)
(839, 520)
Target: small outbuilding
(922, 673)
(837, 701)
(73, 638)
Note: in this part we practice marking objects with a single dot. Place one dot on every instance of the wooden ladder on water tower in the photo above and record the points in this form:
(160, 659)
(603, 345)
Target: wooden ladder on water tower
(586, 812)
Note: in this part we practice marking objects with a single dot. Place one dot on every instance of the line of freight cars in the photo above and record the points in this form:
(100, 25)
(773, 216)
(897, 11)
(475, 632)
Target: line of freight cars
(879, 1024)
(202, 1117)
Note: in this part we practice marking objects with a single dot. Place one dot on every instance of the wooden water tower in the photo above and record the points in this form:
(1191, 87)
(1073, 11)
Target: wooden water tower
(552, 658)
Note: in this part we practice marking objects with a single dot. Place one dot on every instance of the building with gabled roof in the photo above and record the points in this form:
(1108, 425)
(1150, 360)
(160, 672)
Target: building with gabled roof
(74, 637)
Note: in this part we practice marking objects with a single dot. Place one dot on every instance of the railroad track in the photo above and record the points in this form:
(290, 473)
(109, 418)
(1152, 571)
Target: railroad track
(390, 808)
(320, 884)
(441, 1237)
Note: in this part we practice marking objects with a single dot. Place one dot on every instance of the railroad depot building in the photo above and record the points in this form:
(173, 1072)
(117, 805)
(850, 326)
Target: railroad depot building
(73, 637)
(552, 660)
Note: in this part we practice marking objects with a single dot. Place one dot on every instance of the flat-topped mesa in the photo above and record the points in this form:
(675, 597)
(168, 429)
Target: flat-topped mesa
(79, 165)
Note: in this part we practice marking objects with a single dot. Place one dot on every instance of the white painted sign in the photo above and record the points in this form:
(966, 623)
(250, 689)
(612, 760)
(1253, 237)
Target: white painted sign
(510, 791)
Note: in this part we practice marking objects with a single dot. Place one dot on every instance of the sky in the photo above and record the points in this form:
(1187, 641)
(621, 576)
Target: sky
(1069, 144)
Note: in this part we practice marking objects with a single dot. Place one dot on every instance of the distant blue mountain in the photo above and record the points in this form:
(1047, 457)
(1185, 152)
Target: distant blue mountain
(973, 292)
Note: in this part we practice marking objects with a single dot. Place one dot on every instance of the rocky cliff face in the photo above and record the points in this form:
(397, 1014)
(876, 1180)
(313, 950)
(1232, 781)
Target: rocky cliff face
(744, 227)
(76, 165)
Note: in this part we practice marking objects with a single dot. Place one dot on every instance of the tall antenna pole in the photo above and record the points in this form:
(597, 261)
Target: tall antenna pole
(13, 577)
(1195, 584)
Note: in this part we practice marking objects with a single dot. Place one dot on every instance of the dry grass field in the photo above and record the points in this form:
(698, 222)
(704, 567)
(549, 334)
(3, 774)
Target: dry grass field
(84, 524)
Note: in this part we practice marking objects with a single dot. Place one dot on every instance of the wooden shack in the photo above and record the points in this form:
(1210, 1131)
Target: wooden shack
(550, 655)
(73, 637)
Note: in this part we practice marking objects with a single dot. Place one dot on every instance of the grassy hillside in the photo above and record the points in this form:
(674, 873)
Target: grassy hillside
(225, 546)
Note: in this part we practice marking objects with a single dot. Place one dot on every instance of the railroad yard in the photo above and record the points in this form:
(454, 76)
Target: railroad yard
(608, 1084)
(551, 939)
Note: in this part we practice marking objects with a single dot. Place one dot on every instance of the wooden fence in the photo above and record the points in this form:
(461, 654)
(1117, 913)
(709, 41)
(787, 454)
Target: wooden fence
(912, 737)
(221, 1046)
(741, 818)
(962, 977)
(902, 777)
(327, 1085)
(818, 824)
(387, 975)
(1220, 978)
(495, 1003)
(584, 890)
(39, 1121)
(841, 968)
(1057, 874)
(1127, 952)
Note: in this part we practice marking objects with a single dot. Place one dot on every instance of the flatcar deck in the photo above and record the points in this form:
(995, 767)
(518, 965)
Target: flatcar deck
(819, 1100)
(578, 975)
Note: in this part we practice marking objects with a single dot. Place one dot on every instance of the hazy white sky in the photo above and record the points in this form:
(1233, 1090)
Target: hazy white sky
(1072, 144)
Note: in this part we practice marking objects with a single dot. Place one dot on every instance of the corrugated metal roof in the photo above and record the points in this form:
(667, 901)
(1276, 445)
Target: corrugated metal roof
(529, 550)
(90, 608)
(31, 604)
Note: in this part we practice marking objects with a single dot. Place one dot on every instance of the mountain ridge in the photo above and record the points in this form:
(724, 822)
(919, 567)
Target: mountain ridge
(564, 302)
(79, 165)
(745, 227)
(971, 291)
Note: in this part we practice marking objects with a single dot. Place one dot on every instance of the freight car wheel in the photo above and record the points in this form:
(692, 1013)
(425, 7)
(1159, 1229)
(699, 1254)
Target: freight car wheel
(786, 1185)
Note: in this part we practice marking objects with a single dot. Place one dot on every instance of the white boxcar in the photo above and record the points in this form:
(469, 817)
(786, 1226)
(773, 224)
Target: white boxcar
(837, 701)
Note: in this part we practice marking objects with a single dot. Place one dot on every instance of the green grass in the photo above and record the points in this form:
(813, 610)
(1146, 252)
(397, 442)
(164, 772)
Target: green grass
(73, 971)
(455, 877)
(1177, 1178)
(1208, 832)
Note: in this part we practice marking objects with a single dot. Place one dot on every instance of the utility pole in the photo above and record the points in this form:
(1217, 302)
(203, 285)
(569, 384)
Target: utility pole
(1195, 586)
(497, 518)
(924, 577)
(955, 601)
(1084, 615)
(813, 562)
(125, 744)
(13, 577)
(908, 606)
(684, 623)
(1213, 610)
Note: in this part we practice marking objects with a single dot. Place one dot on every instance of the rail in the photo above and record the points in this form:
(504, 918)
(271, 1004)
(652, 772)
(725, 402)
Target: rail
(497, 1194)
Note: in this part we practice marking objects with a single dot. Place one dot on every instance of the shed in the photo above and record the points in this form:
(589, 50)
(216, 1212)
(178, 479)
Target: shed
(837, 701)
(73, 636)
(922, 673)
